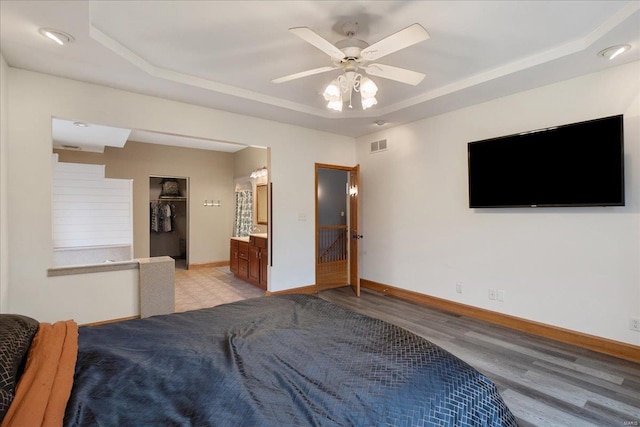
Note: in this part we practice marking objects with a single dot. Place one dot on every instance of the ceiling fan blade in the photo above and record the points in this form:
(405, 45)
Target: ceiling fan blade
(311, 37)
(303, 74)
(394, 73)
(404, 38)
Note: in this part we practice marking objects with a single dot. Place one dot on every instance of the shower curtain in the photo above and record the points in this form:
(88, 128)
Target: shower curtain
(244, 213)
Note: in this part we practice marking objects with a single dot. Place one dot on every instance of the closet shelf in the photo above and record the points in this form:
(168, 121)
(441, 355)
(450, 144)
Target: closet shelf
(169, 199)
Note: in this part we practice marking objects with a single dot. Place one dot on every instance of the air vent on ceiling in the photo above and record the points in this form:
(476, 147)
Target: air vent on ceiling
(70, 147)
(377, 146)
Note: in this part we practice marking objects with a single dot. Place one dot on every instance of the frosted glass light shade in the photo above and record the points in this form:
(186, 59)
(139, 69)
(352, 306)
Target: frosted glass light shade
(332, 92)
(335, 105)
(368, 88)
(368, 102)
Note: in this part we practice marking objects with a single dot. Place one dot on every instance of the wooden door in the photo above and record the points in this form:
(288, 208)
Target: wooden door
(337, 246)
(354, 233)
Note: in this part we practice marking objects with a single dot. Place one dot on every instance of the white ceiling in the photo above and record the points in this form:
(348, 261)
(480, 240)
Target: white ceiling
(224, 54)
(80, 136)
(70, 135)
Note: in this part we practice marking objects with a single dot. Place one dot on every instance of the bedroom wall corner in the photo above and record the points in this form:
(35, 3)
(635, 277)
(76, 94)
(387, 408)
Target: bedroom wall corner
(632, 133)
(4, 225)
(574, 268)
(35, 98)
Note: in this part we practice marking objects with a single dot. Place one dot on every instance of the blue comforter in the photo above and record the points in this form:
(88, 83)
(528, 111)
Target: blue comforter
(291, 360)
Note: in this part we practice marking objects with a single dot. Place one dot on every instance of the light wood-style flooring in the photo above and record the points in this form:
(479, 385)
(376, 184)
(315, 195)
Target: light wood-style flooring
(544, 383)
(208, 287)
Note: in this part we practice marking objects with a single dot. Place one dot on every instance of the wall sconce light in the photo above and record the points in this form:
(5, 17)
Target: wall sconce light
(259, 173)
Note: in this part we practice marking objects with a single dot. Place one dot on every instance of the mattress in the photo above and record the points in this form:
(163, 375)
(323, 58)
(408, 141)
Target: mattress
(290, 360)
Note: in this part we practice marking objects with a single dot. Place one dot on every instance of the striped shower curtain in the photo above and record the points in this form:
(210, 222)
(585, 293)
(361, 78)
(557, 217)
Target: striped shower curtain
(244, 213)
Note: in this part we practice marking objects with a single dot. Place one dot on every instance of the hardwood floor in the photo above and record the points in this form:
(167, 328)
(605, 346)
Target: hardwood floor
(544, 383)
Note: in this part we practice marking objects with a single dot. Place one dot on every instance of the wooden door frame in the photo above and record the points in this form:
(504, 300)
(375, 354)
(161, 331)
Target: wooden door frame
(354, 229)
(348, 169)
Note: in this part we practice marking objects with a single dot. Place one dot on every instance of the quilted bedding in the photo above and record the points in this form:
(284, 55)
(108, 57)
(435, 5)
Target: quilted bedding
(291, 360)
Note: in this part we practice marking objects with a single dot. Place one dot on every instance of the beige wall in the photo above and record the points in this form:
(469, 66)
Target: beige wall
(210, 176)
(248, 160)
(4, 240)
(35, 98)
(575, 268)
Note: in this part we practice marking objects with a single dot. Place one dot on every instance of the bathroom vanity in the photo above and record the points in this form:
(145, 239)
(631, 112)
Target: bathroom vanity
(249, 258)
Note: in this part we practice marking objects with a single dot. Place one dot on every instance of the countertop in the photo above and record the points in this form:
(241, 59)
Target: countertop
(246, 238)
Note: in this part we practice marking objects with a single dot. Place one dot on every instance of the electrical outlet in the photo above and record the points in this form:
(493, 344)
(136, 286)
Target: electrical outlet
(501, 295)
(492, 294)
(459, 287)
(634, 324)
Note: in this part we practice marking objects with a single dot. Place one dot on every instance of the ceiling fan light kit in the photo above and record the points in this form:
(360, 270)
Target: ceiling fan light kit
(352, 55)
(344, 86)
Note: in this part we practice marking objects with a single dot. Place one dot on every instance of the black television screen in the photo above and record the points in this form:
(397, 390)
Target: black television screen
(580, 164)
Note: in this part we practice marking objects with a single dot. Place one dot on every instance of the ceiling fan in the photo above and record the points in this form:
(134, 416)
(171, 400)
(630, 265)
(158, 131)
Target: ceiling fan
(352, 55)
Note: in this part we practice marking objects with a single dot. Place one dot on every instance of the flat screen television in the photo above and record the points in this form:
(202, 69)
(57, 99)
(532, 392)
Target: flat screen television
(579, 164)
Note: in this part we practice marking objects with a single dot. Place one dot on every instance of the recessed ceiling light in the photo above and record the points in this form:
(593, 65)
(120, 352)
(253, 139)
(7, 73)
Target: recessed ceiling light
(614, 51)
(81, 124)
(57, 36)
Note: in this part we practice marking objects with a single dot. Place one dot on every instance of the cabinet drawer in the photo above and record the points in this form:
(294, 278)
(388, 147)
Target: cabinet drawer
(258, 241)
(243, 250)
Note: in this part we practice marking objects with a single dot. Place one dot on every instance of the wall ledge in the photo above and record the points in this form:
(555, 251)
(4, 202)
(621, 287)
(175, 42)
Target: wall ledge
(92, 268)
(601, 345)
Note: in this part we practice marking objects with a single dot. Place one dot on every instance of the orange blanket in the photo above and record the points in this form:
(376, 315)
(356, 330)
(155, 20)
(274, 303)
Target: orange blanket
(45, 386)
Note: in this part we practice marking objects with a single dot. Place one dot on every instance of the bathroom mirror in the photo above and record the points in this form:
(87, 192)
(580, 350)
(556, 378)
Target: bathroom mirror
(261, 204)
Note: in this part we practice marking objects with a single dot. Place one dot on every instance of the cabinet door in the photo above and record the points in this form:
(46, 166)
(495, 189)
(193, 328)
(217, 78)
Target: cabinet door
(243, 269)
(243, 260)
(233, 256)
(254, 264)
(263, 268)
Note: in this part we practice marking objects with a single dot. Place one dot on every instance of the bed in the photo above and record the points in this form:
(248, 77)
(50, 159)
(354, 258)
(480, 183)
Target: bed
(289, 360)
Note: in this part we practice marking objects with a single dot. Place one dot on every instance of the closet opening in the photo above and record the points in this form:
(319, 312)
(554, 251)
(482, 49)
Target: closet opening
(169, 218)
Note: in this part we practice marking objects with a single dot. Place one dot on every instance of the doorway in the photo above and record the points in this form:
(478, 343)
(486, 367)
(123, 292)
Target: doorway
(337, 236)
(169, 218)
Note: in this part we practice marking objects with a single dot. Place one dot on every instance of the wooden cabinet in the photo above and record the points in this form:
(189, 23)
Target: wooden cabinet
(264, 261)
(243, 260)
(233, 256)
(254, 264)
(248, 260)
(258, 260)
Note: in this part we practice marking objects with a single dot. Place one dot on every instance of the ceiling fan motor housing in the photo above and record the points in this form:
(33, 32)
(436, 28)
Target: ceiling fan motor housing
(352, 54)
(351, 48)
